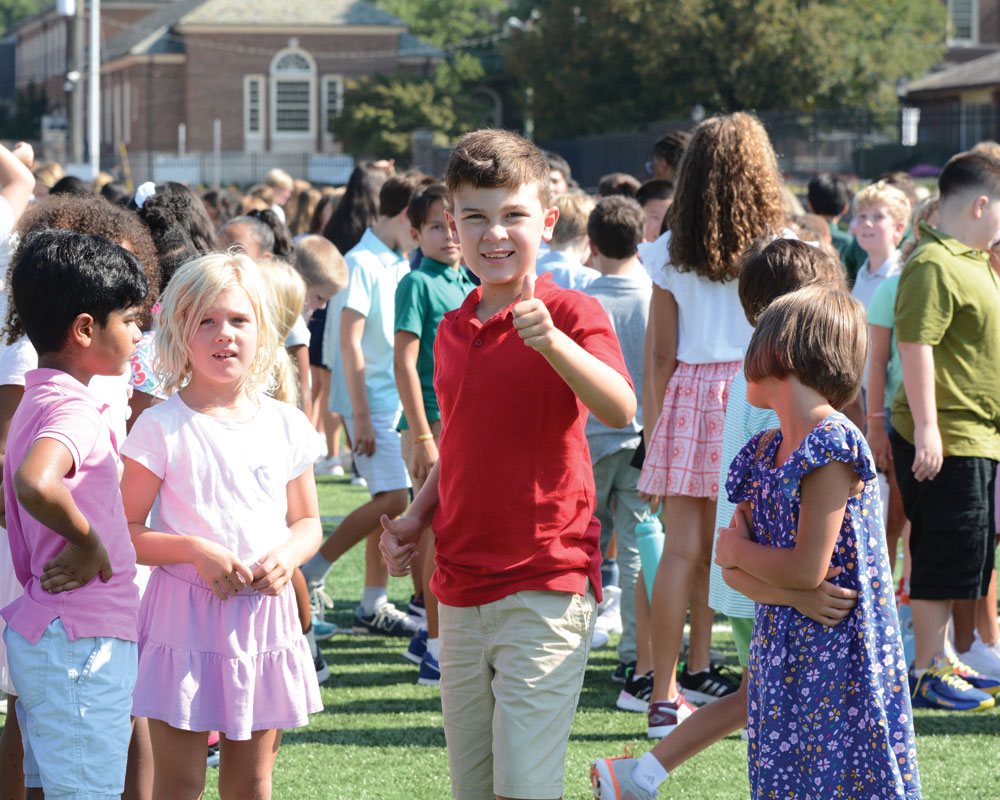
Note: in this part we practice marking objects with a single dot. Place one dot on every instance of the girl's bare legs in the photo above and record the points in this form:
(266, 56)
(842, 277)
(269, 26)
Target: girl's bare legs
(895, 518)
(704, 727)
(139, 774)
(11, 756)
(178, 762)
(986, 617)
(246, 767)
(302, 599)
(683, 550)
(700, 643)
(643, 646)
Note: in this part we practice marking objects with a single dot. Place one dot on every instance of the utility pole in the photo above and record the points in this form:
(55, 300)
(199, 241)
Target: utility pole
(94, 133)
(77, 83)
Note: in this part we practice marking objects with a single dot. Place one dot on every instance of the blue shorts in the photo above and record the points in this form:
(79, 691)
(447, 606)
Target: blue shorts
(73, 706)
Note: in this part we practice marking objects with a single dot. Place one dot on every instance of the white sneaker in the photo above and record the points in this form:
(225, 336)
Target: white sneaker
(609, 613)
(599, 639)
(326, 466)
(983, 659)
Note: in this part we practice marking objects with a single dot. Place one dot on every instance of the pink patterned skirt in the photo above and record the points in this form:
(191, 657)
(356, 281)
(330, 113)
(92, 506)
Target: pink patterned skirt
(684, 450)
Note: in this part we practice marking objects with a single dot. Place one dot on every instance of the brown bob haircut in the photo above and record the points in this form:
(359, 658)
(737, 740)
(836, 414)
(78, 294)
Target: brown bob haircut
(728, 194)
(769, 270)
(495, 159)
(816, 333)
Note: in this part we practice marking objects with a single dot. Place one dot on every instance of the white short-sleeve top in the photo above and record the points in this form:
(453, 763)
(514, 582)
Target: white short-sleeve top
(712, 327)
(223, 480)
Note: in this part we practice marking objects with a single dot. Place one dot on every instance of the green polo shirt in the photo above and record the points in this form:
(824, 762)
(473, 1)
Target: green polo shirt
(842, 241)
(949, 298)
(423, 297)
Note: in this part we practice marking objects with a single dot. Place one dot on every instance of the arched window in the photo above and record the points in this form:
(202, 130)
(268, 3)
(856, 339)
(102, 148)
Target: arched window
(293, 91)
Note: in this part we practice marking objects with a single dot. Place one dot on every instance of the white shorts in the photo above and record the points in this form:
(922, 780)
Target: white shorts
(384, 470)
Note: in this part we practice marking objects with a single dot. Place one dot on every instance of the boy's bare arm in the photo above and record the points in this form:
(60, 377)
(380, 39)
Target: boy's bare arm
(352, 328)
(400, 537)
(601, 389)
(39, 487)
(405, 352)
(918, 379)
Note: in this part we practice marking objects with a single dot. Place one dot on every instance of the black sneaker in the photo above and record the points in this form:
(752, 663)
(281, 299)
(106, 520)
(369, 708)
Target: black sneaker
(386, 621)
(623, 671)
(322, 670)
(635, 696)
(705, 686)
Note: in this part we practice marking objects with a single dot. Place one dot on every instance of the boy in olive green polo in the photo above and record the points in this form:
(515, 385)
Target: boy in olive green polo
(423, 297)
(946, 438)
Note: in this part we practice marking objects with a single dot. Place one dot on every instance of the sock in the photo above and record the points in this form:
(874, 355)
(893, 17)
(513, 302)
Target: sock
(373, 597)
(609, 572)
(432, 647)
(313, 647)
(918, 672)
(315, 569)
(649, 773)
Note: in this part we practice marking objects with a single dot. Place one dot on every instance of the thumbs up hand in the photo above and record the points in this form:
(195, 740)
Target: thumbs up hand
(532, 320)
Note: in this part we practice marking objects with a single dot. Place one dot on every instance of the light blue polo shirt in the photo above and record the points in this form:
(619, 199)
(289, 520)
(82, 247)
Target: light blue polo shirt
(375, 271)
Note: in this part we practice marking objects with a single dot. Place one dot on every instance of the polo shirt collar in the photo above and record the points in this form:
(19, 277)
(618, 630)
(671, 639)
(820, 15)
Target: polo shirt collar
(380, 249)
(950, 243)
(63, 380)
(466, 312)
(435, 267)
(888, 268)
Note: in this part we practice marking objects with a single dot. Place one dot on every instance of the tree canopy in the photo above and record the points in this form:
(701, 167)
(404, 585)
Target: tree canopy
(13, 10)
(599, 65)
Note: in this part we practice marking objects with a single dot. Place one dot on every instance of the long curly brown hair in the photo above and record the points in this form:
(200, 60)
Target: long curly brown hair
(728, 194)
(94, 216)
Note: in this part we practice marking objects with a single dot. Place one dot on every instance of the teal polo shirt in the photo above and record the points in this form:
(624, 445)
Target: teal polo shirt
(423, 297)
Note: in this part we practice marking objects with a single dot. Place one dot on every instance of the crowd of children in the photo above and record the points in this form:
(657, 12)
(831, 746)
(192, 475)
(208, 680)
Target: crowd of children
(529, 379)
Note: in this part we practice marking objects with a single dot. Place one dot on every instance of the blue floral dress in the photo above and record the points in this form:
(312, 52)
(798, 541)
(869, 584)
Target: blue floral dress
(828, 708)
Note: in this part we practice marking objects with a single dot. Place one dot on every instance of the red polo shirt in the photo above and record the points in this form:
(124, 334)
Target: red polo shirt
(516, 485)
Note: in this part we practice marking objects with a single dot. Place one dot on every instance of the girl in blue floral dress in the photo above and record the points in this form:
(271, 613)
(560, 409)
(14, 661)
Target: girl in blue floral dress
(828, 707)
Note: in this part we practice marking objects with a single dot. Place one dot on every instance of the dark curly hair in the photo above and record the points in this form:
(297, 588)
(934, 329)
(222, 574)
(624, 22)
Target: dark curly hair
(94, 216)
(174, 204)
(728, 195)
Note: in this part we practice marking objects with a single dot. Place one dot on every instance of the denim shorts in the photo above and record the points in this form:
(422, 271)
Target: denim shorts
(73, 705)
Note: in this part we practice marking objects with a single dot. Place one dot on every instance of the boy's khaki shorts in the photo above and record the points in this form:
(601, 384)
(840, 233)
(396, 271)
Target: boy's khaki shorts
(511, 674)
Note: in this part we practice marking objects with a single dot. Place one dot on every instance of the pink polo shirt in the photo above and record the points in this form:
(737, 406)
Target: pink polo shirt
(516, 485)
(57, 406)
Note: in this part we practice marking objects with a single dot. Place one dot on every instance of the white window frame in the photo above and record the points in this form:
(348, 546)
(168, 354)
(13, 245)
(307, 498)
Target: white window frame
(254, 140)
(308, 77)
(973, 38)
(329, 140)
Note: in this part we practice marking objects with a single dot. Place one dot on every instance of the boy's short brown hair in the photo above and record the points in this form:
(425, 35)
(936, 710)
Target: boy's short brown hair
(970, 172)
(494, 159)
(420, 207)
(616, 226)
(574, 209)
(320, 263)
(816, 333)
(769, 270)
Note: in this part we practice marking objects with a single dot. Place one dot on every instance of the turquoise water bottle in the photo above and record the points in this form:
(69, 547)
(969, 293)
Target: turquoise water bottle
(649, 539)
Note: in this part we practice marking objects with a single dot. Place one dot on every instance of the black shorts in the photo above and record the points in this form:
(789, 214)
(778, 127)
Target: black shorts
(316, 324)
(952, 524)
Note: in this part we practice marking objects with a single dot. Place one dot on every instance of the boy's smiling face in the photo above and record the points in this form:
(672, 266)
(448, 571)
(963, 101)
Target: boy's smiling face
(499, 231)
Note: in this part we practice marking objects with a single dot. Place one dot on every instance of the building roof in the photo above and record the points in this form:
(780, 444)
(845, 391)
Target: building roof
(980, 72)
(155, 33)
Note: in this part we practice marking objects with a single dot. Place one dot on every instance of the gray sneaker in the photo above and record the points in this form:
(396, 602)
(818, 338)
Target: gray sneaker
(611, 779)
(386, 621)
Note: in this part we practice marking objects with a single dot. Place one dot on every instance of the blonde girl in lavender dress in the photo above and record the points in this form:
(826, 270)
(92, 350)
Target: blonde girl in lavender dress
(224, 474)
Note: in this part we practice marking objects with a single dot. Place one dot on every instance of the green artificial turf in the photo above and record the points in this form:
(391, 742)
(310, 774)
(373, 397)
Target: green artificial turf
(379, 735)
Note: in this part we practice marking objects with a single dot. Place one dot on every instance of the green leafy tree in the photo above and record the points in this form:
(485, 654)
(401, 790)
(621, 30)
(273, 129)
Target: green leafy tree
(447, 23)
(24, 122)
(12, 11)
(597, 65)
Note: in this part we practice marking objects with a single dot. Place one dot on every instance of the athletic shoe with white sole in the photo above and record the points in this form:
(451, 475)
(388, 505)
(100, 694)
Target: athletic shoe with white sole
(635, 696)
(974, 678)
(611, 779)
(623, 671)
(609, 613)
(319, 601)
(705, 686)
(664, 717)
(322, 629)
(430, 671)
(417, 647)
(983, 658)
(387, 620)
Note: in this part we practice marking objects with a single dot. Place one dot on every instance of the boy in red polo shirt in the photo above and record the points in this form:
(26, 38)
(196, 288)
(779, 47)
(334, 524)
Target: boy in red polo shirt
(511, 500)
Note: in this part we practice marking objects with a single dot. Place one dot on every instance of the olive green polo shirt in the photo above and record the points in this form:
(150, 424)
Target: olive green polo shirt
(949, 298)
(423, 297)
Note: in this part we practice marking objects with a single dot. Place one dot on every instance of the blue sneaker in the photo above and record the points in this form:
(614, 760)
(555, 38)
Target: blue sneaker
(975, 679)
(942, 688)
(430, 672)
(322, 629)
(418, 646)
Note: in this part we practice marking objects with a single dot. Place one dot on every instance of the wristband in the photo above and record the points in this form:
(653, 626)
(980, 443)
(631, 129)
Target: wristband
(875, 415)
(423, 437)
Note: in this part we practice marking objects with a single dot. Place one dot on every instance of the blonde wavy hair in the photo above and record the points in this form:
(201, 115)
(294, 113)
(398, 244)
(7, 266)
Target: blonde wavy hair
(286, 295)
(190, 293)
(728, 194)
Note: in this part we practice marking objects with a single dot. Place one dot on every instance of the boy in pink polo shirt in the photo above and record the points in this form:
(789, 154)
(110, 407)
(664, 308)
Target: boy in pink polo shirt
(517, 368)
(71, 637)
